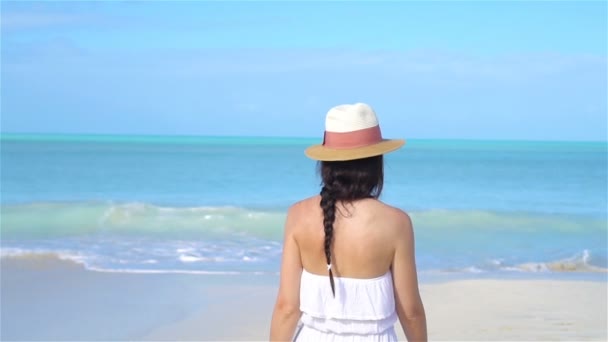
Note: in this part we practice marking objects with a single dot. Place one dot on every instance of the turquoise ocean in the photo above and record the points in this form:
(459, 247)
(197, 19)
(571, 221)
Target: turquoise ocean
(216, 205)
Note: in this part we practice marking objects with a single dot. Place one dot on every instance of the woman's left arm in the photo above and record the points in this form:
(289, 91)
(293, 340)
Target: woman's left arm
(287, 308)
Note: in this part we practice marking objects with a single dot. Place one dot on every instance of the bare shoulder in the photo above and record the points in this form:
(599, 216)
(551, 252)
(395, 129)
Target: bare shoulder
(300, 212)
(397, 218)
(394, 212)
(304, 206)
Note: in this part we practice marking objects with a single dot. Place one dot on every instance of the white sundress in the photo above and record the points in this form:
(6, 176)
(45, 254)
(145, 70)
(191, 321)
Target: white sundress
(362, 310)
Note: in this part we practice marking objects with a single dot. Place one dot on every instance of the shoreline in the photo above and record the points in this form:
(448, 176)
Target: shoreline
(63, 300)
(425, 276)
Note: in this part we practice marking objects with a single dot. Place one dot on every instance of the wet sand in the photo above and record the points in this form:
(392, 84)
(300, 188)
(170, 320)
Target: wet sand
(44, 298)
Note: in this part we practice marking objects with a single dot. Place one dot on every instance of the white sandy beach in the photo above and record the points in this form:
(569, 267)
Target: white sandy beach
(44, 298)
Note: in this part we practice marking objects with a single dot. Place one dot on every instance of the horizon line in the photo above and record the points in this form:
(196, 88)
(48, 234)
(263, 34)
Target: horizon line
(146, 136)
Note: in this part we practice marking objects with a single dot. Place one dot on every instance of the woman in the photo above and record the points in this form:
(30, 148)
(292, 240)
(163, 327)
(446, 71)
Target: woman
(348, 270)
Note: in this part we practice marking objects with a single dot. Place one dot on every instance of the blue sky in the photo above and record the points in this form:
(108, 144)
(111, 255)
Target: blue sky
(471, 70)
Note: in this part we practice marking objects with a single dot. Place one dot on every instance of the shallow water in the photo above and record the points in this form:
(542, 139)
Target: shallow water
(217, 205)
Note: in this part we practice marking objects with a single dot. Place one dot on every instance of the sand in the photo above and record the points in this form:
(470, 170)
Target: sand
(50, 299)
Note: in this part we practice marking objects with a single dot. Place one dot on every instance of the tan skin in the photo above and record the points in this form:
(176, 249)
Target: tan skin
(370, 238)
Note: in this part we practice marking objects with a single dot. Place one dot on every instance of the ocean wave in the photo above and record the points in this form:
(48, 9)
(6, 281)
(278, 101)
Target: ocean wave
(61, 219)
(458, 221)
(58, 219)
(149, 238)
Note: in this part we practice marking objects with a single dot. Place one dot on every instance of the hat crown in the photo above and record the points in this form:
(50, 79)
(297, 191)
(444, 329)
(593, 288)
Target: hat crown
(350, 117)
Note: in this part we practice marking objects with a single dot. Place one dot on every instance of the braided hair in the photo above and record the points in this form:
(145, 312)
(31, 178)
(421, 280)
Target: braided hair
(346, 181)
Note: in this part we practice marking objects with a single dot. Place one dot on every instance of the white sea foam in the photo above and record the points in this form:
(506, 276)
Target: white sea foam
(41, 256)
(18, 253)
(577, 263)
(190, 258)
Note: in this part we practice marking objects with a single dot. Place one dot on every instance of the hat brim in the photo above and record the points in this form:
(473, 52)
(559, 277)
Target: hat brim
(322, 153)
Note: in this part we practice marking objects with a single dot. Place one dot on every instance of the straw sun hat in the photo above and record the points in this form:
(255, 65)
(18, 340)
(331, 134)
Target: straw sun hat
(352, 132)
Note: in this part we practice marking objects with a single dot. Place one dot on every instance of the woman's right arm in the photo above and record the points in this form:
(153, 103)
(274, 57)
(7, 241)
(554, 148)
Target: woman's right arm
(405, 280)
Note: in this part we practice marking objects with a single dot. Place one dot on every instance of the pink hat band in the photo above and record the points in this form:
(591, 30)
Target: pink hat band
(354, 139)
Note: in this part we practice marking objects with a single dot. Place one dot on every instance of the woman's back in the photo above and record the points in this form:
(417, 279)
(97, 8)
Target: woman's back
(363, 238)
(362, 304)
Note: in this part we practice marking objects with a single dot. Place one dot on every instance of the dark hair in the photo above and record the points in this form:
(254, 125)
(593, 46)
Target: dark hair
(347, 181)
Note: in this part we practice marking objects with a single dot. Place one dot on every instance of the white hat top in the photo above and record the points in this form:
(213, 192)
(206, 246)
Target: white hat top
(350, 117)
